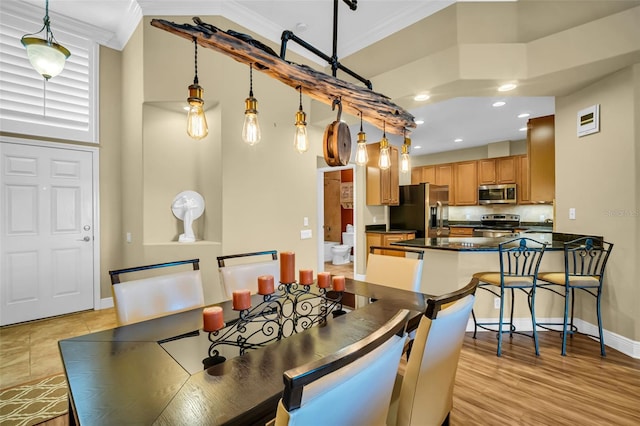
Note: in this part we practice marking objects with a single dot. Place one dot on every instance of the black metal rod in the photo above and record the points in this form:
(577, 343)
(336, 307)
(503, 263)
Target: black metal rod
(332, 60)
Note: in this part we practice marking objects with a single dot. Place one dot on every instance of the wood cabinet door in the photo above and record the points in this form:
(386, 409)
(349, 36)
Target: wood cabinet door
(460, 231)
(393, 198)
(444, 176)
(506, 169)
(542, 163)
(486, 171)
(466, 183)
(416, 175)
(522, 183)
(429, 174)
(332, 211)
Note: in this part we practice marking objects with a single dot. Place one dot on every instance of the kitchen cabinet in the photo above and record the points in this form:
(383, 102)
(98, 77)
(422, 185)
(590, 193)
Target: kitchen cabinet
(385, 239)
(465, 184)
(460, 231)
(522, 183)
(542, 163)
(382, 185)
(497, 170)
(426, 174)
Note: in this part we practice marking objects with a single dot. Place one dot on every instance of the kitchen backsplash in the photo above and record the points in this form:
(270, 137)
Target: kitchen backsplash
(528, 213)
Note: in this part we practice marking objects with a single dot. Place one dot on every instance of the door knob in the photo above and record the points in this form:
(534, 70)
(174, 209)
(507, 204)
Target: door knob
(87, 238)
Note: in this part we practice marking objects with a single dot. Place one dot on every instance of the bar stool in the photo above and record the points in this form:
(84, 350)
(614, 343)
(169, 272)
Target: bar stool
(519, 262)
(584, 262)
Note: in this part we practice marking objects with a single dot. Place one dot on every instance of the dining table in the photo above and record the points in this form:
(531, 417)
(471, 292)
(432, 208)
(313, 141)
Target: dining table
(152, 372)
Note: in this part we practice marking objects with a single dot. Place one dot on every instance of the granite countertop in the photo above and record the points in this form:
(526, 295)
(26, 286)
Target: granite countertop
(478, 244)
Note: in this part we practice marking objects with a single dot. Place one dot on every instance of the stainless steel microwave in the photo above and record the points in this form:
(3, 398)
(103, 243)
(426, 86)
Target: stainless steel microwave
(497, 194)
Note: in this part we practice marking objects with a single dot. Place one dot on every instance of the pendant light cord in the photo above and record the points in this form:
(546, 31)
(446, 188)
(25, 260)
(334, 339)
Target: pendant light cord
(300, 89)
(251, 80)
(195, 61)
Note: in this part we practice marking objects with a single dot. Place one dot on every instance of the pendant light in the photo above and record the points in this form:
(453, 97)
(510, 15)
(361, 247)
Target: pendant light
(196, 120)
(384, 161)
(46, 55)
(362, 157)
(251, 128)
(300, 139)
(405, 162)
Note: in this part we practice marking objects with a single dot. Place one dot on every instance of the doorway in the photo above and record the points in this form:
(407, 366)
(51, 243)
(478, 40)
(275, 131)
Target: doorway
(336, 209)
(48, 247)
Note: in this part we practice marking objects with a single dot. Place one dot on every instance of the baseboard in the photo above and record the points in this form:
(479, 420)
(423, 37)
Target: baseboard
(613, 340)
(106, 303)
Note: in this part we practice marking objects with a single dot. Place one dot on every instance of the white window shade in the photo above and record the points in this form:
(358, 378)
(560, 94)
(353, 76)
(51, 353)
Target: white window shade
(65, 107)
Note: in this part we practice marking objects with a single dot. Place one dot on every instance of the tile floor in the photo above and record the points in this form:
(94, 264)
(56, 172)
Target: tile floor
(29, 351)
(346, 270)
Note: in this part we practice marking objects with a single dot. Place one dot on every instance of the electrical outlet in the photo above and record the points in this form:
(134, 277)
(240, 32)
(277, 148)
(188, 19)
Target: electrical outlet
(496, 303)
(305, 234)
(129, 238)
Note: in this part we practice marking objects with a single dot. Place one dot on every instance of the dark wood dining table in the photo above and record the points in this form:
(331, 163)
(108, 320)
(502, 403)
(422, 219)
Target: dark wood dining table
(125, 376)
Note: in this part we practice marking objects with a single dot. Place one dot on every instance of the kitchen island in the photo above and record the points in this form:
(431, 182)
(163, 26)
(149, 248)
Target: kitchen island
(449, 263)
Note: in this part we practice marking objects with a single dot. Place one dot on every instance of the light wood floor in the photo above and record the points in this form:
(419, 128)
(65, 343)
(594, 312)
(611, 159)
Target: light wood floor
(516, 389)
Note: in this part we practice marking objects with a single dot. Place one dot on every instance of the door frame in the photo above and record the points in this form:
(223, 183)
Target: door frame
(95, 186)
(320, 212)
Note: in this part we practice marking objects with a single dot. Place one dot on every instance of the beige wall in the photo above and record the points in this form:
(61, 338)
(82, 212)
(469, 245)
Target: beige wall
(598, 176)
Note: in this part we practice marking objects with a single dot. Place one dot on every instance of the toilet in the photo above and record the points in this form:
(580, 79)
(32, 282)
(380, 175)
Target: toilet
(342, 253)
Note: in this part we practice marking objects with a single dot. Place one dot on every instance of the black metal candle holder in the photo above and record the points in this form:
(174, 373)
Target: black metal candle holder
(292, 308)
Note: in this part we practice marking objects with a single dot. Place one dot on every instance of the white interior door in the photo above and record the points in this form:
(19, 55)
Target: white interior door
(47, 232)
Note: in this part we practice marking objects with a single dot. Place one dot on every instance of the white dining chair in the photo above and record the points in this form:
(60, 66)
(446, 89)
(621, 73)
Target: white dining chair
(245, 268)
(350, 387)
(154, 296)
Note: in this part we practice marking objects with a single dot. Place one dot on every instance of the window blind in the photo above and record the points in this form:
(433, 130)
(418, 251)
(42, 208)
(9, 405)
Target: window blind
(63, 107)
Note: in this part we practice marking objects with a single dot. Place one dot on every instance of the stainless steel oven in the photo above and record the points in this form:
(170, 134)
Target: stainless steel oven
(497, 194)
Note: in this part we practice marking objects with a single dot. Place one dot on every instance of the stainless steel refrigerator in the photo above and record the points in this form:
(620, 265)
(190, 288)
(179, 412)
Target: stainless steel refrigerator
(423, 208)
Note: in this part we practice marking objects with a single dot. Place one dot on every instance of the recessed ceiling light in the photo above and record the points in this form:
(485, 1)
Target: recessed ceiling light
(417, 147)
(457, 140)
(186, 108)
(419, 121)
(507, 87)
(499, 103)
(301, 27)
(523, 129)
(421, 97)
(524, 115)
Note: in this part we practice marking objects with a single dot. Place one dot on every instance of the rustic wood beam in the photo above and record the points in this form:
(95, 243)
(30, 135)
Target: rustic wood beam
(377, 109)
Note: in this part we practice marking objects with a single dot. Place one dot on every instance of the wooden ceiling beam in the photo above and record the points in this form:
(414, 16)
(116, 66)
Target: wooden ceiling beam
(376, 108)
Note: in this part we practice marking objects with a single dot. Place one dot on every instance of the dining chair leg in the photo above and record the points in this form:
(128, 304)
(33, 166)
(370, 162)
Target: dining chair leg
(599, 312)
(499, 352)
(475, 323)
(513, 303)
(532, 294)
(567, 296)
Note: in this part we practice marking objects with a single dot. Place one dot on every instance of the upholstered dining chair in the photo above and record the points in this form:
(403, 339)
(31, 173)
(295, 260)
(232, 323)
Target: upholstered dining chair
(519, 263)
(350, 387)
(402, 272)
(144, 298)
(245, 269)
(424, 395)
(584, 262)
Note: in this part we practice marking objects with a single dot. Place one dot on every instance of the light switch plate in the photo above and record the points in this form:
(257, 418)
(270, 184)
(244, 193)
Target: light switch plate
(572, 213)
(305, 234)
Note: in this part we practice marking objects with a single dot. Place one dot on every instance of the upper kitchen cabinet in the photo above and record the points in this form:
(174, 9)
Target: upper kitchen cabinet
(542, 158)
(382, 185)
(523, 180)
(465, 184)
(497, 170)
(423, 174)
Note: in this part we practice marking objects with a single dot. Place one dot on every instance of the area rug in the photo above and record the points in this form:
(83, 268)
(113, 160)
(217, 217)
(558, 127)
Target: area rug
(35, 402)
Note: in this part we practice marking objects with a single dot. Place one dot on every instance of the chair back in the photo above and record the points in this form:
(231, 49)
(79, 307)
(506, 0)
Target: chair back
(586, 257)
(519, 261)
(404, 273)
(350, 387)
(151, 297)
(245, 269)
(426, 394)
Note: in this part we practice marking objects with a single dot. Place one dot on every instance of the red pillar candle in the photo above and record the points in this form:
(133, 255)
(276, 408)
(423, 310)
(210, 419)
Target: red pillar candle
(338, 283)
(212, 318)
(265, 284)
(324, 279)
(241, 300)
(287, 267)
(306, 276)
